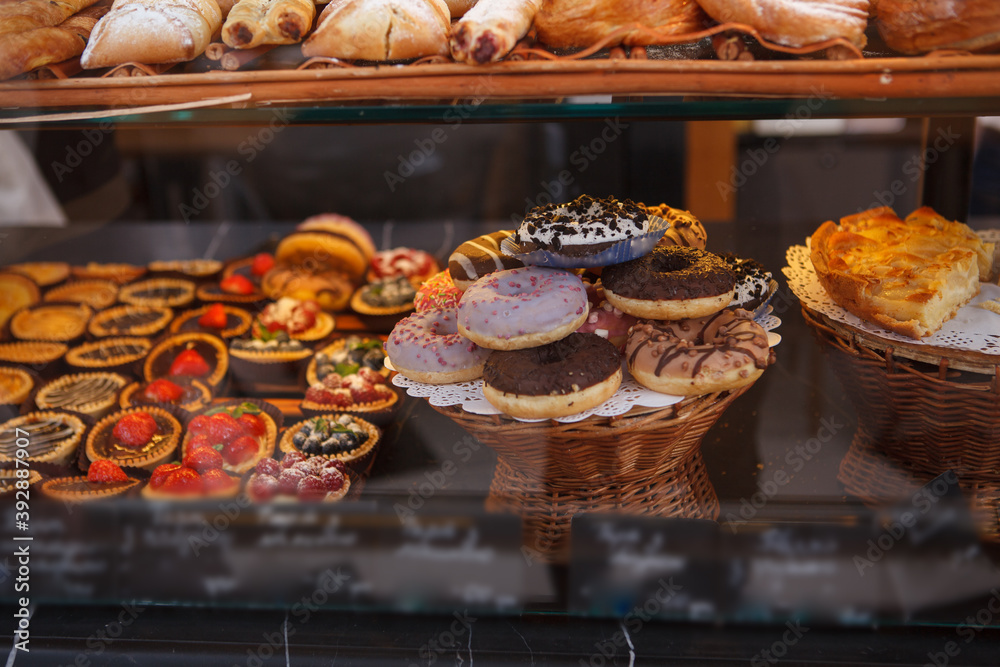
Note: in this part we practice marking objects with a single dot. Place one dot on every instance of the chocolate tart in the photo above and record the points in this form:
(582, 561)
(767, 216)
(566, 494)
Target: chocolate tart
(161, 447)
(109, 354)
(191, 269)
(211, 293)
(238, 322)
(52, 436)
(331, 496)
(359, 460)
(272, 419)
(42, 273)
(16, 292)
(9, 479)
(115, 272)
(155, 494)
(92, 394)
(129, 320)
(32, 353)
(15, 385)
(268, 367)
(59, 322)
(211, 348)
(170, 292)
(98, 294)
(195, 397)
(80, 489)
(346, 350)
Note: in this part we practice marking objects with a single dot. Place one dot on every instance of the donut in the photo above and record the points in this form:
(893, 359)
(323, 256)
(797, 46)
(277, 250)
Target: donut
(559, 379)
(689, 357)
(582, 227)
(604, 319)
(684, 229)
(438, 292)
(426, 347)
(670, 283)
(753, 282)
(518, 308)
(480, 257)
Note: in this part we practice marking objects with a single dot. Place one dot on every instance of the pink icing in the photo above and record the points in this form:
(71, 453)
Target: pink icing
(429, 341)
(523, 301)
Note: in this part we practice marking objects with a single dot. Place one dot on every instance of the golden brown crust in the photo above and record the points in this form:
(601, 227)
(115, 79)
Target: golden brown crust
(19, 17)
(796, 23)
(381, 30)
(254, 22)
(918, 26)
(159, 451)
(491, 29)
(574, 23)
(25, 51)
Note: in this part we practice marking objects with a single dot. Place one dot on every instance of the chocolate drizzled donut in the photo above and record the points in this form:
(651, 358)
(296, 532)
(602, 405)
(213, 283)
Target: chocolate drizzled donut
(480, 257)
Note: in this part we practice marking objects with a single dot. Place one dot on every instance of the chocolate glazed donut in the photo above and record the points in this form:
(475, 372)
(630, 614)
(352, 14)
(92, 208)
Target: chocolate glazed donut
(670, 283)
(480, 257)
(563, 378)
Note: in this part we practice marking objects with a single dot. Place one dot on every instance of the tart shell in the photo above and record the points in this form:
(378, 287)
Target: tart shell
(100, 325)
(155, 367)
(160, 453)
(359, 460)
(51, 321)
(64, 451)
(124, 353)
(239, 322)
(272, 418)
(94, 409)
(169, 292)
(56, 489)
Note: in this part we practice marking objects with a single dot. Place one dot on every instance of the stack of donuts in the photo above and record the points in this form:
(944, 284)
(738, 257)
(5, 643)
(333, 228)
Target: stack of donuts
(549, 344)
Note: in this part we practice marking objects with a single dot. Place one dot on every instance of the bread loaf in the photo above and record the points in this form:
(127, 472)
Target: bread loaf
(380, 30)
(573, 23)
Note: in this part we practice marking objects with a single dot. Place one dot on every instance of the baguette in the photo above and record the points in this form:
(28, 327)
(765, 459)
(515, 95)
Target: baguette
(491, 29)
(574, 24)
(380, 30)
(255, 22)
(24, 51)
(33, 14)
(152, 32)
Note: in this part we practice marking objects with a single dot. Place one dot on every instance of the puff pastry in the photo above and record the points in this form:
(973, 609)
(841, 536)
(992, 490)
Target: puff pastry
(908, 276)
(380, 30)
(33, 14)
(254, 22)
(917, 26)
(152, 31)
(491, 29)
(796, 22)
(24, 51)
(571, 23)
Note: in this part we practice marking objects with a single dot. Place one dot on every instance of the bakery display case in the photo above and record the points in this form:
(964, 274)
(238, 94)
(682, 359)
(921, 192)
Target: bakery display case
(841, 508)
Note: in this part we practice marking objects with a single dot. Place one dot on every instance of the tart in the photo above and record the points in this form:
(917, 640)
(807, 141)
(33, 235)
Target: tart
(243, 432)
(186, 393)
(345, 356)
(16, 292)
(217, 292)
(179, 481)
(42, 273)
(92, 394)
(334, 436)
(384, 302)
(235, 321)
(129, 320)
(193, 355)
(415, 265)
(298, 478)
(141, 437)
(116, 272)
(15, 385)
(329, 288)
(9, 480)
(170, 292)
(300, 319)
(80, 489)
(363, 392)
(273, 363)
(108, 354)
(59, 322)
(34, 353)
(98, 294)
(52, 436)
(193, 269)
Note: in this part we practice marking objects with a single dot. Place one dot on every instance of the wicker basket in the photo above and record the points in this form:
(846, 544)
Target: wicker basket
(879, 480)
(930, 416)
(547, 506)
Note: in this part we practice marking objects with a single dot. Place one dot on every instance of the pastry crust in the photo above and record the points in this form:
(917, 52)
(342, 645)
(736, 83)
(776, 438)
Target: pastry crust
(25, 51)
(907, 276)
(917, 26)
(255, 22)
(571, 23)
(491, 29)
(152, 31)
(18, 17)
(796, 23)
(381, 30)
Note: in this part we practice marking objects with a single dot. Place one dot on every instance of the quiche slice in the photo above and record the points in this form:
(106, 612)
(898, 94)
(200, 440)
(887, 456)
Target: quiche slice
(909, 276)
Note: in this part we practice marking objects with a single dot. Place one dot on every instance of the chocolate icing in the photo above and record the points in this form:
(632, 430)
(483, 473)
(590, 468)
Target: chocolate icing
(128, 320)
(753, 282)
(670, 273)
(480, 257)
(576, 362)
(44, 436)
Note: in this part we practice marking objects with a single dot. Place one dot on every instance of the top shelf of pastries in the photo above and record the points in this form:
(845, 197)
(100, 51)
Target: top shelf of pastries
(347, 61)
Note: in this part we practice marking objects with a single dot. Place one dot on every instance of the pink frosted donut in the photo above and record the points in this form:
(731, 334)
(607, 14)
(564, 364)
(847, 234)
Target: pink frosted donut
(438, 292)
(426, 347)
(520, 308)
(605, 320)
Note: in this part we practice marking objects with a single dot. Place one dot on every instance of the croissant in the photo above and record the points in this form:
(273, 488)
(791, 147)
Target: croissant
(796, 22)
(380, 30)
(254, 22)
(571, 23)
(24, 51)
(32, 14)
(918, 26)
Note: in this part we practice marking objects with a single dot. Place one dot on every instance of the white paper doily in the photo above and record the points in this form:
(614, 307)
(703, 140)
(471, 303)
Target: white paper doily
(630, 394)
(973, 329)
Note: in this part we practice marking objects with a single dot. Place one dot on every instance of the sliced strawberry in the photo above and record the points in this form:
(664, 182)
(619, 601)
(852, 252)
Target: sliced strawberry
(203, 458)
(240, 450)
(135, 429)
(262, 263)
(198, 442)
(163, 391)
(215, 317)
(217, 479)
(237, 284)
(183, 481)
(161, 473)
(189, 362)
(253, 425)
(222, 428)
(199, 425)
(105, 472)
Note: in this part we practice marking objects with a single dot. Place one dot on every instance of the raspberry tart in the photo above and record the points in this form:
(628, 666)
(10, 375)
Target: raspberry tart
(52, 436)
(104, 479)
(141, 437)
(299, 478)
(242, 433)
(363, 392)
(92, 394)
(334, 436)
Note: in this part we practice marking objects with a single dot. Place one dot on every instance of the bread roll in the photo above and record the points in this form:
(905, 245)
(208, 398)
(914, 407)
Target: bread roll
(255, 22)
(491, 29)
(151, 32)
(573, 23)
(381, 30)
(32, 14)
(796, 22)
(24, 51)
(918, 26)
